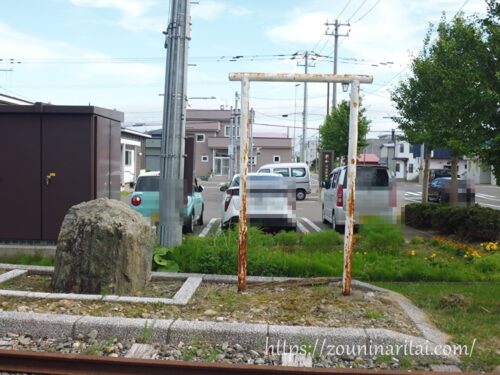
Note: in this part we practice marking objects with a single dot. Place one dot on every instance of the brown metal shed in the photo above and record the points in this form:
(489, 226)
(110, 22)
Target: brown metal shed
(51, 158)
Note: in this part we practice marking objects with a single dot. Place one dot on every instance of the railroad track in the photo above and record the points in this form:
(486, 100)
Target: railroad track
(75, 364)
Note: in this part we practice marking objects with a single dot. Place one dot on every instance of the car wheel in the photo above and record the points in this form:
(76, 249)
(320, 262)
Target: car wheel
(300, 195)
(200, 219)
(323, 215)
(189, 227)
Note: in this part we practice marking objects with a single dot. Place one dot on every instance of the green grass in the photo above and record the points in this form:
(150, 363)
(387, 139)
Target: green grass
(125, 194)
(34, 260)
(321, 254)
(466, 311)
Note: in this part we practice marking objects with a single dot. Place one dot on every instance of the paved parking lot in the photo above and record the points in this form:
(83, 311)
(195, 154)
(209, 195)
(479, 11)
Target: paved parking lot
(309, 210)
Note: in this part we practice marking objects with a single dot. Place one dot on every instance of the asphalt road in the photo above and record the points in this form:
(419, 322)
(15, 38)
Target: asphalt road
(309, 210)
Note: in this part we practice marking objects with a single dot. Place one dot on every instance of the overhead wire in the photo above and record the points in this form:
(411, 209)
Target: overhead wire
(343, 9)
(368, 12)
(357, 10)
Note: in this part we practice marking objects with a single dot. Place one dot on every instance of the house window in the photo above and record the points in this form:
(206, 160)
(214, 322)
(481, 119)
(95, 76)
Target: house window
(397, 167)
(401, 147)
(227, 131)
(412, 149)
(128, 157)
(204, 158)
(200, 138)
(410, 168)
(276, 159)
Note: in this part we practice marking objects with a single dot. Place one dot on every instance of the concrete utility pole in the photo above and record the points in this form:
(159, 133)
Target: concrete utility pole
(336, 34)
(304, 113)
(174, 125)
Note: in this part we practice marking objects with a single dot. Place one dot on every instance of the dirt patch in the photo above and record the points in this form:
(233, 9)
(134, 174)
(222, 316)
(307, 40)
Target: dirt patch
(41, 283)
(320, 305)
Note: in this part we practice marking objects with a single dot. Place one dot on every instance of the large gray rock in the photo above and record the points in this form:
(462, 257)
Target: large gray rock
(104, 247)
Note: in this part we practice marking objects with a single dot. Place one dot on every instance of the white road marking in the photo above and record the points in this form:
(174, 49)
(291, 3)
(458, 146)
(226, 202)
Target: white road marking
(412, 193)
(205, 230)
(311, 224)
(484, 196)
(413, 200)
(302, 228)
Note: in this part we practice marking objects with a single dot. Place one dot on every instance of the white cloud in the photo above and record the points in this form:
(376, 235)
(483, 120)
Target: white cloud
(210, 10)
(303, 28)
(134, 13)
(129, 8)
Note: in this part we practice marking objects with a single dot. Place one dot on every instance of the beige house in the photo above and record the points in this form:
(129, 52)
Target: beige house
(211, 130)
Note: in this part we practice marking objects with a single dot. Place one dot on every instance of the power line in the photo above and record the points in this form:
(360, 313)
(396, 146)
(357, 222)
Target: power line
(357, 10)
(369, 11)
(343, 9)
(462, 7)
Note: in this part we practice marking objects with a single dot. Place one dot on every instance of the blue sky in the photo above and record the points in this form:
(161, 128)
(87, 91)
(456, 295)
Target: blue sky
(110, 52)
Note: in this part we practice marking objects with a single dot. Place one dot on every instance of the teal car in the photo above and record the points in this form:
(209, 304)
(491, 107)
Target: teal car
(146, 200)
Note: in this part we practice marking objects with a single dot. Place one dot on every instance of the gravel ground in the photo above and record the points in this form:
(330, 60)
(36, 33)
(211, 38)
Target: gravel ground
(319, 305)
(199, 352)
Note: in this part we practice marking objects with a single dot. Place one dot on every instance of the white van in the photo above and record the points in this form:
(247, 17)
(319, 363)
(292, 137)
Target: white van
(375, 195)
(298, 172)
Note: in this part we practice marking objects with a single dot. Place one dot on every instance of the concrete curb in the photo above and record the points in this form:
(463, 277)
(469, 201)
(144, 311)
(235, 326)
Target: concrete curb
(179, 330)
(261, 336)
(425, 326)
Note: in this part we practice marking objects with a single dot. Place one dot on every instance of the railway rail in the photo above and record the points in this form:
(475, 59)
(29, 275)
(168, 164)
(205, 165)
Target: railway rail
(74, 364)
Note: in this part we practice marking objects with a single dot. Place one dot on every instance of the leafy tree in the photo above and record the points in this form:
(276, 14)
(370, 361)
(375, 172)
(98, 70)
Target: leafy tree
(490, 87)
(334, 133)
(441, 104)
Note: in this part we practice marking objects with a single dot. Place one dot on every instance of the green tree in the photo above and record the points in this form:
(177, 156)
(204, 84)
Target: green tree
(334, 133)
(440, 104)
(489, 87)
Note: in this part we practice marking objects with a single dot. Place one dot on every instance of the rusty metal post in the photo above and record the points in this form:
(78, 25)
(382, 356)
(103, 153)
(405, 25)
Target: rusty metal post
(351, 188)
(244, 131)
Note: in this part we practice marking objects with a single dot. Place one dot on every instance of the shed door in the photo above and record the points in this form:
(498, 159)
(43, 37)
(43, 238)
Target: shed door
(20, 176)
(66, 168)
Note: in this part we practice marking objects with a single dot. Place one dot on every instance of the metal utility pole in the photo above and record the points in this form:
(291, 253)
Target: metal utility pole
(174, 125)
(336, 34)
(351, 184)
(355, 81)
(242, 241)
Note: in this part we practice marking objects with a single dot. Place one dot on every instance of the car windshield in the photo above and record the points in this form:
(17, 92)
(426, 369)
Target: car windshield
(148, 183)
(366, 177)
(256, 178)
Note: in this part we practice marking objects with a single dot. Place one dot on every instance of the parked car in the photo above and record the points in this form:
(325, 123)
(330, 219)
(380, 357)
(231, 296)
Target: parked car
(146, 200)
(270, 202)
(375, 195)
(439, 191)
(295, 172)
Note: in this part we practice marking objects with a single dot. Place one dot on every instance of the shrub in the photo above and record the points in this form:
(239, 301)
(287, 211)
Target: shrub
(381, 236)
(419, 215)
(467, 223)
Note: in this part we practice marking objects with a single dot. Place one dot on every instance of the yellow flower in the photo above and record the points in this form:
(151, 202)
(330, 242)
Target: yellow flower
(433, 255)
(412, 253)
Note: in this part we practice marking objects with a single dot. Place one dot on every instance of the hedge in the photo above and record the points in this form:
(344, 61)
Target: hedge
(467, 223)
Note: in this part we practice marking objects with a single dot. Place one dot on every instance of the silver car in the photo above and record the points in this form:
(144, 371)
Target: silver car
(375, 195)
(270, 202)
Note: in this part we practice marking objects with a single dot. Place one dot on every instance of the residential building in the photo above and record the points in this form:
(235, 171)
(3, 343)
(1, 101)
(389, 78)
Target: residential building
(133, 151)
(211, 130)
